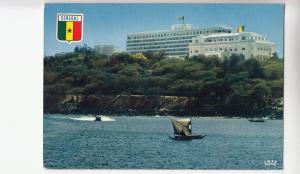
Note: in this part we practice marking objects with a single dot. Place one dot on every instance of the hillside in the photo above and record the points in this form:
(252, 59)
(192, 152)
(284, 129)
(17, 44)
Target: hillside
(233, 86)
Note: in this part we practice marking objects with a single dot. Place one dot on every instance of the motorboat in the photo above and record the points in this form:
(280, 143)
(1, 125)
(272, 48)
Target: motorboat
(98, 118)
(103, 118)
(257, 120)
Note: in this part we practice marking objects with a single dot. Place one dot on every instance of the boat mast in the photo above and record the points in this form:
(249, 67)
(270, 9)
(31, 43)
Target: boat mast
(190, 125)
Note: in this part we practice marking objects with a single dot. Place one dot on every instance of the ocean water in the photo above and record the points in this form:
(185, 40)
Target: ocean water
(77, 142)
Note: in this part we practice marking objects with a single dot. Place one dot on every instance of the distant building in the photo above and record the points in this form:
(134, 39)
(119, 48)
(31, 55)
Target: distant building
(106, 49)
(249, 44)
(173, 42)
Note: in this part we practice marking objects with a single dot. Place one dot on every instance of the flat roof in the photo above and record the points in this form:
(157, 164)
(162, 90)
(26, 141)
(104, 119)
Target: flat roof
(179, 30)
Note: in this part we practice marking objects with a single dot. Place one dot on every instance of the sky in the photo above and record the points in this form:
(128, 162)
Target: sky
(109, 23)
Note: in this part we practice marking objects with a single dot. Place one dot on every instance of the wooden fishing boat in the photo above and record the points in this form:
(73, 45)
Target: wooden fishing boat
(183, 129)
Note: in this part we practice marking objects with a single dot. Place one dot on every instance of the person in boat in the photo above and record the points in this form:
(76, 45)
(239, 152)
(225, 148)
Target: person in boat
(98, 118)
(182, 133)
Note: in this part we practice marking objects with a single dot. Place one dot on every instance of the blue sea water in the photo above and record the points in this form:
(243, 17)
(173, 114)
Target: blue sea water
(143, 143)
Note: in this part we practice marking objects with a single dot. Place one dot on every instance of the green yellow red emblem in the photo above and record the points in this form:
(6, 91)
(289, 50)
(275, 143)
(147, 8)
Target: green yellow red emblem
(69, 27)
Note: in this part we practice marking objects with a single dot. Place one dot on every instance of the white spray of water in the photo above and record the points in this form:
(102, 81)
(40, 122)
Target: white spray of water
(90, 118)
(84, 118)
(105, 118)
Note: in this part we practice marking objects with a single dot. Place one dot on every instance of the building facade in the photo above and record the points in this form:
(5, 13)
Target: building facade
(106, 49)
(250, 44)
(174, 42)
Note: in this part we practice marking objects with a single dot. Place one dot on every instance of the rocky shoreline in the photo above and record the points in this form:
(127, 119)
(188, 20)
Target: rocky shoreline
(117, 104)
(127, 105)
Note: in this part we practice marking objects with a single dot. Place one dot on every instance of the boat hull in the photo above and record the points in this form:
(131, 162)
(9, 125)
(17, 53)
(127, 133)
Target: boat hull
(184, 138)
(257, 120)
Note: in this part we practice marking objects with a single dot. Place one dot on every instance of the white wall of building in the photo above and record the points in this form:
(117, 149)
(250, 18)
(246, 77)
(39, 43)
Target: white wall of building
(174, 42)
(247, 43)
(106, 49)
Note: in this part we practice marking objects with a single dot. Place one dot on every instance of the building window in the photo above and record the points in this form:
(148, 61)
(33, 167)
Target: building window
(230, 49)
(225, 49)
(243, 48)
(196, 51)
(220, 48)
(235, 49)
(243, 38)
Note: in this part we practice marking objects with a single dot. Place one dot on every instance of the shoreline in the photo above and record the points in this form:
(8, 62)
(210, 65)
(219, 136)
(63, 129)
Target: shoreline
(155, 116)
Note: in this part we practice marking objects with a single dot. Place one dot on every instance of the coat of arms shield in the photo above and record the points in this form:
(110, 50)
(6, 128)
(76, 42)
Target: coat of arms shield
(69, 27)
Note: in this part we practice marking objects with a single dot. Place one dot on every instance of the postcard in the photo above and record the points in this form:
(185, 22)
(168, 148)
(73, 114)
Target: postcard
(163, 86)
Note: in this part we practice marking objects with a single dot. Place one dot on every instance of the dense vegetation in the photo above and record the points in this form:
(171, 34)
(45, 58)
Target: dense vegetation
(232, 86)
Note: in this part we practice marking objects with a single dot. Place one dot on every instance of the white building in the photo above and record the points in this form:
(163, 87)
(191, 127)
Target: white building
(106, 49)
(173, 42)
(249, 44)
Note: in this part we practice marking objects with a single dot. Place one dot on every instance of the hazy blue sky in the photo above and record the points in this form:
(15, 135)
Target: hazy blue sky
(109, 23)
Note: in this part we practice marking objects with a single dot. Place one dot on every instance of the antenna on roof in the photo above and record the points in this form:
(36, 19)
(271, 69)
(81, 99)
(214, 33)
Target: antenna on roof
(181, 18)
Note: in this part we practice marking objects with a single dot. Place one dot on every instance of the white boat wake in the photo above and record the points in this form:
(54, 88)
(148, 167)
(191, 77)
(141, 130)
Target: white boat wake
(84, 118)
(90, 118)
(105, 118)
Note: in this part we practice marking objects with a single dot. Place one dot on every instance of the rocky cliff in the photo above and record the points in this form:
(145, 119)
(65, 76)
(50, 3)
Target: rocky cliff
(119, 104)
